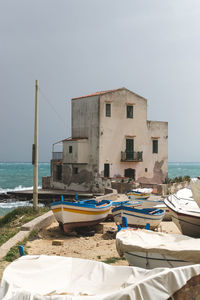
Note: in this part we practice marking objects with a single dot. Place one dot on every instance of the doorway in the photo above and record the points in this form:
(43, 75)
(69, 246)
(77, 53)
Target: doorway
(130, 173)
(106, 170)
(129, 149)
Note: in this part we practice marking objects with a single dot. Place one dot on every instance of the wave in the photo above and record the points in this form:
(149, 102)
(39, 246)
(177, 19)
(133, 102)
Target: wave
(16, 189)
(15, 204)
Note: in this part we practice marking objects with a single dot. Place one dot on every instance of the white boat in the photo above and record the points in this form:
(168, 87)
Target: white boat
(135, 194)
(147, 203)
(195, 188)
(148, 249)
(185, 214)
(129, 203)
(45, 277)
(151, 203)
(138, 217)
(83, 213)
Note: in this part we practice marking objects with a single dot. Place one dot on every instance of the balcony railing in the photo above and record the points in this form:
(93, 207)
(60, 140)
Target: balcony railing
(131, 156)
(57, 155)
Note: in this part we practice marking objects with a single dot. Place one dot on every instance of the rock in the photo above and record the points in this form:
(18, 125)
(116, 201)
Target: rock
(99, 228)
(57, 243)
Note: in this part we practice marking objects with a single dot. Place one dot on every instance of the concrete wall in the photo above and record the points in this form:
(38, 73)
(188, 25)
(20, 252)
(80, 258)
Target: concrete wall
(79, 154)
(85, 124)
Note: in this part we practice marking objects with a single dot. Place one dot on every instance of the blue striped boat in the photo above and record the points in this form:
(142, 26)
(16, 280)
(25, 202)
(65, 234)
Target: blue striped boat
(83, 213)
(138, 217)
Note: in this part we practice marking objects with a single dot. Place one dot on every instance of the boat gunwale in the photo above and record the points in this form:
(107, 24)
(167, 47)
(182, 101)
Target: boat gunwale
(144, 211)
(180, 211)
(82, 204)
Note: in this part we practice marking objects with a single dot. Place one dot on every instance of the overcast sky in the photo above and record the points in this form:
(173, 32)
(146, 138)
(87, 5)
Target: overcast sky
(76, 47)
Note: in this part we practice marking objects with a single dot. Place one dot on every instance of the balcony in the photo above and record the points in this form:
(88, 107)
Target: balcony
(57, 155)
(131, 156)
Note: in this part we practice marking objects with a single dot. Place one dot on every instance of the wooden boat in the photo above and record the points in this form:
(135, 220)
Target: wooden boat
(129, 203)
(56, 277)
(138, 217)
(156, 204)
(83, 213)
(186, 215)
(147, 203)
(148, 249)
(138, 195)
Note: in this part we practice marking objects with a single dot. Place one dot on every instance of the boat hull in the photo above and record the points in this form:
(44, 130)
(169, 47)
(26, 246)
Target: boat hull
(157, 204)
(138, 196)
(188, 222)
(149, 260)
(73, 215)
(138, 217)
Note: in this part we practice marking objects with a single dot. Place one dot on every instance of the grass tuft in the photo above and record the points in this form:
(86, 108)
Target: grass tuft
(112, 260)
(11, 223)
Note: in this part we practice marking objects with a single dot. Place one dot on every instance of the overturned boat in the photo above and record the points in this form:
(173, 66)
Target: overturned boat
(138, 217)
(148, 249)
(71, 215)
(45, 277)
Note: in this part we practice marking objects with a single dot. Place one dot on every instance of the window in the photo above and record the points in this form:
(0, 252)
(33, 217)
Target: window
(70, 149)
(129, 111)
(108, 109)
(75, 170)
(155, 146)
(146, 170)
(59, 172)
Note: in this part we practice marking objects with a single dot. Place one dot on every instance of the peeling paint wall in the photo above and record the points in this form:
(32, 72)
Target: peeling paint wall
(114, 131)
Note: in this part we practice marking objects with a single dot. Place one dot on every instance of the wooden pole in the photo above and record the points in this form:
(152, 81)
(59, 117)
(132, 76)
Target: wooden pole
(35, 152)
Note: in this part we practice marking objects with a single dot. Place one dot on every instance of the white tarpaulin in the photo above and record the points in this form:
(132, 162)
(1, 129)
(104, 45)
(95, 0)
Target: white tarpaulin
(64, 278)
(195, 187)
(175, 245)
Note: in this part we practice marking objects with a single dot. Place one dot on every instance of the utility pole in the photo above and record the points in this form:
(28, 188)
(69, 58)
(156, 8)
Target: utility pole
(35, 151)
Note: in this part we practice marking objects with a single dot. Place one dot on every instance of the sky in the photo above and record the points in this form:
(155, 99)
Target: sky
(77, 47)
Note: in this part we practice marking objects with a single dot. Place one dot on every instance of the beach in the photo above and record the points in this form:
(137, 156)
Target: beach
(100, 247)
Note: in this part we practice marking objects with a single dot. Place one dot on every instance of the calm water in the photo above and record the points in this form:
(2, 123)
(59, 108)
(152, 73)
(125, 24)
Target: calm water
(19, 176)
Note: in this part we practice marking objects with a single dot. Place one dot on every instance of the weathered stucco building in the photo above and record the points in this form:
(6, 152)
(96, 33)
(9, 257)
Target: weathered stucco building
(111, 137)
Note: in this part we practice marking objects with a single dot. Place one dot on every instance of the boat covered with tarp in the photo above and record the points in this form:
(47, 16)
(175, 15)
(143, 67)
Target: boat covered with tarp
(149, 249)
(42, 277)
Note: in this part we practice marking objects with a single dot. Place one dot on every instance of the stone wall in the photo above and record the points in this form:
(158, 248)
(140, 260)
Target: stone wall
(46, 182)
(190, 291)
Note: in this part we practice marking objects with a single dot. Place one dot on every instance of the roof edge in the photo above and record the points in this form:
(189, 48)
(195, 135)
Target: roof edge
(107, 92)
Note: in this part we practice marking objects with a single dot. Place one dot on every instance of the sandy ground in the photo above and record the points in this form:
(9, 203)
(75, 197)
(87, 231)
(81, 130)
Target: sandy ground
(100, 246)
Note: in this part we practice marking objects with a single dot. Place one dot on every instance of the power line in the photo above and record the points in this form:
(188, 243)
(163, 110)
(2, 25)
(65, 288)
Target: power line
(51, 105)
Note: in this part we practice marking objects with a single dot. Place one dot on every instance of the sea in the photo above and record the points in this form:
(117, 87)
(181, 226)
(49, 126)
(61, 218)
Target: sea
(19, 176)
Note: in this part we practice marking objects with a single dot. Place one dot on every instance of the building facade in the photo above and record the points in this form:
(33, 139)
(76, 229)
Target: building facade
(111, 137)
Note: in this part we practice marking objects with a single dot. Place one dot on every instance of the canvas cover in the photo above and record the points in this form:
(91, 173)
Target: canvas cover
(175, 245)
(195, 187)
(64, 278)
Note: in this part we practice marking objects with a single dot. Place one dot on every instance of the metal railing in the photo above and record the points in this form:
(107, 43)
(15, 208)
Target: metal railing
(131, 156)
(57, 155)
